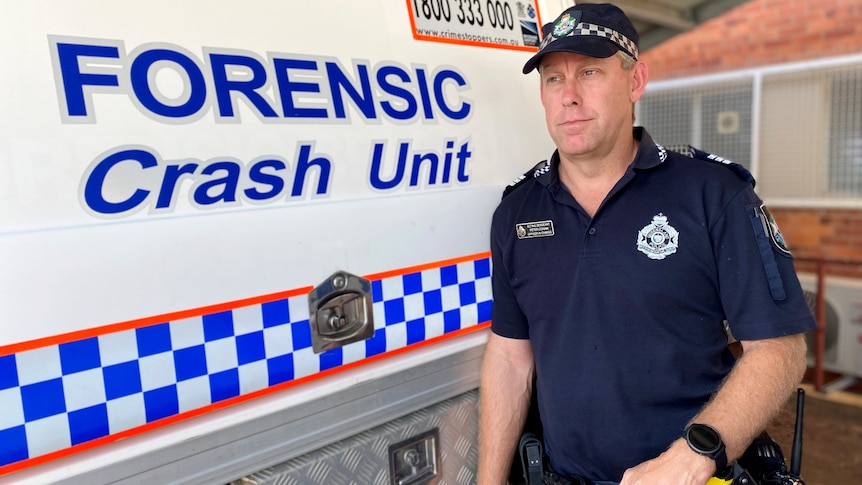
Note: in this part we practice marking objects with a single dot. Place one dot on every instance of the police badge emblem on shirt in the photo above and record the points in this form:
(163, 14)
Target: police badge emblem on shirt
(658, 239)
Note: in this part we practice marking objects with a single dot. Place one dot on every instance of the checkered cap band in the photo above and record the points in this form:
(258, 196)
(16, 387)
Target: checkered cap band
(583, 28)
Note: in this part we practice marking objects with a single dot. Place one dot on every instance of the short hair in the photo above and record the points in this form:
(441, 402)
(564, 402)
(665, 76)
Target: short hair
(628, 62)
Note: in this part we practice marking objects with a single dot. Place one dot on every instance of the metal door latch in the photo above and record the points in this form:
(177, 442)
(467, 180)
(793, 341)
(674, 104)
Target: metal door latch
(340, 311)
(415, 461)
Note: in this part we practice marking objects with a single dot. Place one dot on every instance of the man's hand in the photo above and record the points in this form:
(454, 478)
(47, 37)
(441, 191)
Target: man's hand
(679, 465)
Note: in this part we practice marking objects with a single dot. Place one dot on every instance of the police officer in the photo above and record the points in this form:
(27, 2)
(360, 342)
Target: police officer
(615, 265)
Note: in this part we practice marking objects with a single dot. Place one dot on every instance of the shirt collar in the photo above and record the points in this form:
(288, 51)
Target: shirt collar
(649, 155)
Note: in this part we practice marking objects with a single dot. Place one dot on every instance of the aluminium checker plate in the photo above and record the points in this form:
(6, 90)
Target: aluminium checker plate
(363, 459)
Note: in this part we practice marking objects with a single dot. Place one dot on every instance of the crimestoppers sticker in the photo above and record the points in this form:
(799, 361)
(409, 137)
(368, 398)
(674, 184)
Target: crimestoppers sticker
(503, 24)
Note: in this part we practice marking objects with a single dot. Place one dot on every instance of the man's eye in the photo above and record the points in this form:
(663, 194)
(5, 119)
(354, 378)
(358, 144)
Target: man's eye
(590, 72)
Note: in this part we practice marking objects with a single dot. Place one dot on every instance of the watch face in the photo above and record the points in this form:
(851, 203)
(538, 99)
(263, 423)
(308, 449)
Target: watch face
(704, 438)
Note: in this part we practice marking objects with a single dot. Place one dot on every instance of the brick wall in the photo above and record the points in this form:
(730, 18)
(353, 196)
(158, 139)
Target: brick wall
(761, 32)
(834, 234)
(764, 32)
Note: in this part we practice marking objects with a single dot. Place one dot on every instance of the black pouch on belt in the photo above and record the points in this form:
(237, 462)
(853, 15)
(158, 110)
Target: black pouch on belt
(530, 450)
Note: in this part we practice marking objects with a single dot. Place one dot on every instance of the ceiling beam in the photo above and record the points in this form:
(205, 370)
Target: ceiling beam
(656, 14)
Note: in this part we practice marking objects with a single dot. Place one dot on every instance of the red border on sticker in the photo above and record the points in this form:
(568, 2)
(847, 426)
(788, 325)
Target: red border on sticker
(143, 322)
(416, 35)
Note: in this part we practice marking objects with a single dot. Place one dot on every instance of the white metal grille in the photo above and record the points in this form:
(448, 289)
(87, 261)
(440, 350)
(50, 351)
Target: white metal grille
(845, 141)
(797, 127)
(714, 117)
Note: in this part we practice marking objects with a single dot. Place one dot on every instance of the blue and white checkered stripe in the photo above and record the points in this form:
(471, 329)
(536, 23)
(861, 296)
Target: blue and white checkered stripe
(55, 397)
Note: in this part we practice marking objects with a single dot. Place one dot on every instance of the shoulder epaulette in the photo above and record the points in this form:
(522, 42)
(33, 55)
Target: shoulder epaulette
(698, 154)
(538, 169)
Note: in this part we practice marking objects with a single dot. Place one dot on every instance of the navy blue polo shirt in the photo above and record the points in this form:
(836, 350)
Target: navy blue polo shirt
(624, 310)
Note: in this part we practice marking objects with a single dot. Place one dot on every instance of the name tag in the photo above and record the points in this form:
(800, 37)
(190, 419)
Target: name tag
(527, 230)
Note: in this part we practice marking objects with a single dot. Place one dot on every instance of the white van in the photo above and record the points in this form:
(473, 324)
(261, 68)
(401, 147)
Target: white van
(244, 235)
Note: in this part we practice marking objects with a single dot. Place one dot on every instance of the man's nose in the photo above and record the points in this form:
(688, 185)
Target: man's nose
(571, 94)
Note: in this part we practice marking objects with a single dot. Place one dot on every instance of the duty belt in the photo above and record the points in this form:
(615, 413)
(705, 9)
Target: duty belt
(552, 478)
(535, 473)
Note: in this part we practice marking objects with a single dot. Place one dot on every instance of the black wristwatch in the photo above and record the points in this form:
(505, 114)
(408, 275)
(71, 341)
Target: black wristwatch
(706, 441)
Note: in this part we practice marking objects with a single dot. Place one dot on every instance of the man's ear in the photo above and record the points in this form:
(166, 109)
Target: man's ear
(640, 76)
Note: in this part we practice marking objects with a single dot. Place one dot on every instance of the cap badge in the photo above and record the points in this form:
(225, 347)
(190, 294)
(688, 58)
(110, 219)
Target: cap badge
(565, 25)
(659, 239)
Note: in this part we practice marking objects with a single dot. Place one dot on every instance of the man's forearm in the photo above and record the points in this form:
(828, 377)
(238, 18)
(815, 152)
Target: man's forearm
(504, 400)
(761, 382)
(753, 393)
